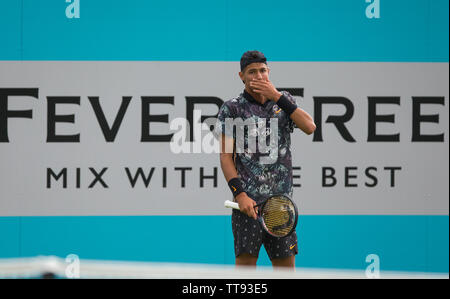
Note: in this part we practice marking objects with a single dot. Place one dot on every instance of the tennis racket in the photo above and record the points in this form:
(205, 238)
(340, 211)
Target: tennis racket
(278, 214)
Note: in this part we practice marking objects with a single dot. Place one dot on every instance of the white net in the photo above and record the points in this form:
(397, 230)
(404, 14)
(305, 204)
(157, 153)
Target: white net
(54, 267)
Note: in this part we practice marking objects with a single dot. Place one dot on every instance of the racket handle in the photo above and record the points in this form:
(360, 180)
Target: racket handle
(231, 204)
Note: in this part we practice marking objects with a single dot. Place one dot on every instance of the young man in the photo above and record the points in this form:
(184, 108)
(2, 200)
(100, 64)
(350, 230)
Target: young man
(251, 177)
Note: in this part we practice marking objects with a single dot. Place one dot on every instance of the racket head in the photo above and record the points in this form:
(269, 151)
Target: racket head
(278, 215)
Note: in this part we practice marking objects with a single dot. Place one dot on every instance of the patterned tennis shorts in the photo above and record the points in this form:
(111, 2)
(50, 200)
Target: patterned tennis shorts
(249, 236)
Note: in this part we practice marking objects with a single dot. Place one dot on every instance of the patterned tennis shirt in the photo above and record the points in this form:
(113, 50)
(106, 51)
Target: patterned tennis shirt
(262, 144)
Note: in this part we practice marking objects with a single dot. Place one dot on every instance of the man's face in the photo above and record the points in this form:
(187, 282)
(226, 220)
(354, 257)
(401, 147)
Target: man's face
(254, 71)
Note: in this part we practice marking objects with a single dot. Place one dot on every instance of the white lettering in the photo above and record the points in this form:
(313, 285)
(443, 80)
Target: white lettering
(73, 10)
(373, 269)
(373, 9)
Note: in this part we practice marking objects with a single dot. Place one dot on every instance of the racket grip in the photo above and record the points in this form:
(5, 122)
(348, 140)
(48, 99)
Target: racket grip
(231, 204)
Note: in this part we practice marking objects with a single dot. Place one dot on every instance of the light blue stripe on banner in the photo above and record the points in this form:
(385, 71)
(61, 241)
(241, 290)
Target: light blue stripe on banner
(10, 30)
(403, 243)
(221, 30)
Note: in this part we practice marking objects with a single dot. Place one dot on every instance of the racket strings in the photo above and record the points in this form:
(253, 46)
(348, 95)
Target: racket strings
(279, 216)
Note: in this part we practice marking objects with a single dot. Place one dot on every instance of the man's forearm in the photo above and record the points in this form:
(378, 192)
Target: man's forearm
(300, 117)
(303, 121)
(227, 165)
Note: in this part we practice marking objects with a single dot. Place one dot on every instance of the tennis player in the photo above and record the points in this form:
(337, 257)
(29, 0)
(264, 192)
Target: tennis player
(249, 179)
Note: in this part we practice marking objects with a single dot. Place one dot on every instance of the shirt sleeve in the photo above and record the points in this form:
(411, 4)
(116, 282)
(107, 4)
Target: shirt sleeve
(223, 126)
